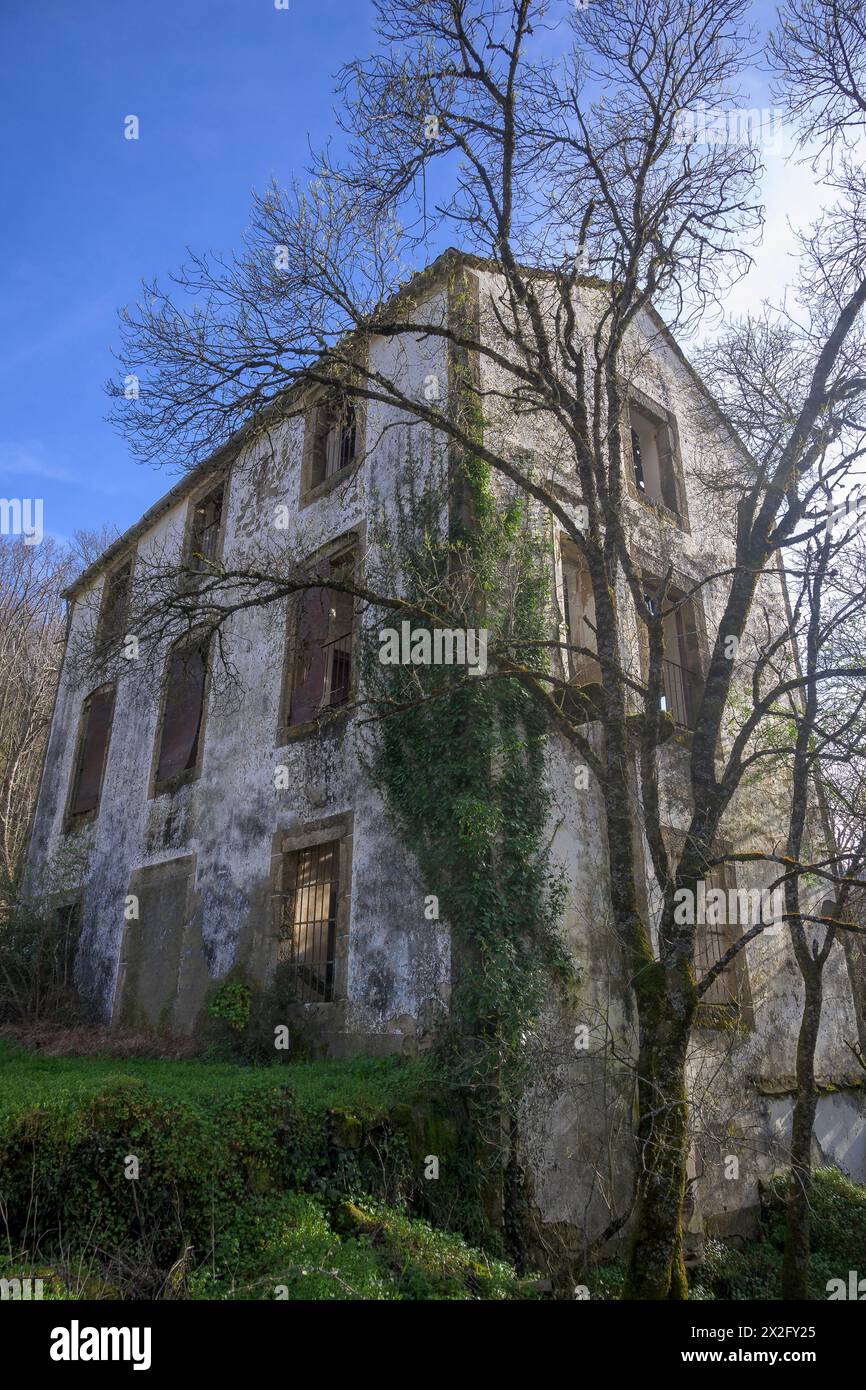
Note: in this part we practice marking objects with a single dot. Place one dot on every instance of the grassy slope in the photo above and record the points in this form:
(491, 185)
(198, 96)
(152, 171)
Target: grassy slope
(309, 1230)
(366, 1086)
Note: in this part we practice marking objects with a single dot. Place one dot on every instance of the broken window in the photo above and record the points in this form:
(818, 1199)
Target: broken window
(579, 613)
(682, 673)
(308, 919)
(322, 672)
(183, 707)
(91, 753)
(334, 423)
(653, 459)
(205, 530)
(115, 603)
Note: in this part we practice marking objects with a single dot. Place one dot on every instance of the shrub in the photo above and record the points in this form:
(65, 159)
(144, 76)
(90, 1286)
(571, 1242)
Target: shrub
(299, 1247)
(251, 1013)
(213, 1144)
(37, 959)
(755, 1270)
(838, 1226)
(231, 1002)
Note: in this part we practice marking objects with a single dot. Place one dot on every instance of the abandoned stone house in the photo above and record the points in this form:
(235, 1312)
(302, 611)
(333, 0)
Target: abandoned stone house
(248, 833)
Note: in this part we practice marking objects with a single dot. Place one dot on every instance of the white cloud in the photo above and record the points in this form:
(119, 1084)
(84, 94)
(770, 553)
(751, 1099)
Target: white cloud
(29, 459)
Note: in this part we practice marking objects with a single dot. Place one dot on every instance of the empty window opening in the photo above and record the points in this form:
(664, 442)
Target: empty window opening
(180, 734)
(579, 613)
(336, 437)
(308, 919)
(205, 531)
(652, 459)
(322, 674)
(91, 754)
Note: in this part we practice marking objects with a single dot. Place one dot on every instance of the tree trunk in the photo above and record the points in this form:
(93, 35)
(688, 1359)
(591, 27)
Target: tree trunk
(655, 1267)
(795, 1266)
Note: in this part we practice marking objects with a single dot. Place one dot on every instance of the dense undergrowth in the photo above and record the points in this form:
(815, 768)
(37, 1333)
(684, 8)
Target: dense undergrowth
(148, 1178)
(754, 1269)
(298, 1181)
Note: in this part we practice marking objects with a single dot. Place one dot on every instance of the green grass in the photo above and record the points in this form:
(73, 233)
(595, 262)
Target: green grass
(307, 1176)
(366, 1086)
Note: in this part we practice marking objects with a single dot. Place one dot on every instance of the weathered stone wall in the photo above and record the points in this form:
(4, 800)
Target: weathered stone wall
(224, 827)
(578, 1113)
(227, 819)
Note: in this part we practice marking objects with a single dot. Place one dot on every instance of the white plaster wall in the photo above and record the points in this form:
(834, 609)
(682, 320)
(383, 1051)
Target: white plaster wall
(578, 1113)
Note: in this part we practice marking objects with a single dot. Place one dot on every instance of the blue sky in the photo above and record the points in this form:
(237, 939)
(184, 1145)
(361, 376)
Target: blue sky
(227, 93)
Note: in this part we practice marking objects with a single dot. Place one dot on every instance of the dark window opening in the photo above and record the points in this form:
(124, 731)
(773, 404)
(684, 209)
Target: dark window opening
(308, 919)
(205, 531)
(322, 675)
(653, 460)
(115, 603)
(92, 749)
(335, 439)
(180, 733)
(636, 459)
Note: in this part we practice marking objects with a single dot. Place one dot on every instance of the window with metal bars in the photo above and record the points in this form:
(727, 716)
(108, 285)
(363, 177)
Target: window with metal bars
(335, 443)
(91, 753)
(712, 940)
(682, 673)
(308, 919)
(729, 991)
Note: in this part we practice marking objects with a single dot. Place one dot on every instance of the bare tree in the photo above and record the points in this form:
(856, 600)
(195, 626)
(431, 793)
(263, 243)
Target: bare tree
(830, 732)
(545, 167)
(31, 649)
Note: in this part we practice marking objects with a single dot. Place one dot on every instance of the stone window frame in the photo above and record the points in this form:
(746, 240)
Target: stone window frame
(72, 821)
(126, 561)
(568, 554)
(660, 415)
(648, 568)
(179, 866)
(715, 1015)
(307, 835)
(220, 478)
(355, 540)
(191, 774)
(311, 492)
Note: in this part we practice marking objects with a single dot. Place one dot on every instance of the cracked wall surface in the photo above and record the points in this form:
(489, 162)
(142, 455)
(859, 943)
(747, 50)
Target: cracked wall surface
(199, 859)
